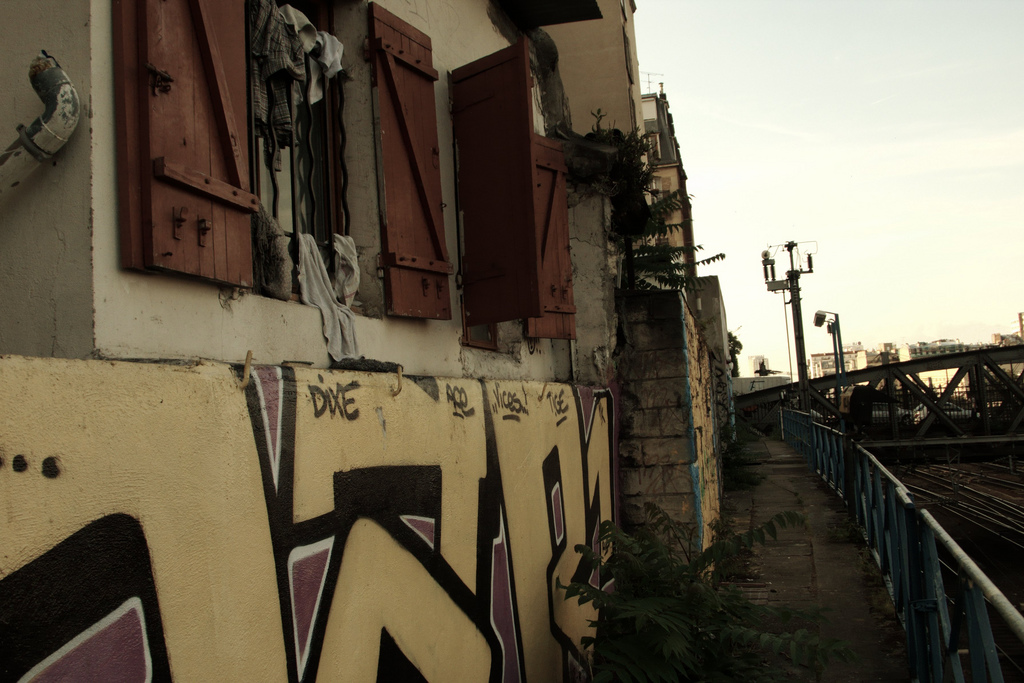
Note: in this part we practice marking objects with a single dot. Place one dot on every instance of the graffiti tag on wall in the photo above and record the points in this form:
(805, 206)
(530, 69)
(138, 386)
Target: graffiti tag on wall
(349, 533)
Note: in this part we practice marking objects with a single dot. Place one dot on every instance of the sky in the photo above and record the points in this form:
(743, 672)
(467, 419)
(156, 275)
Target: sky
(888, 135)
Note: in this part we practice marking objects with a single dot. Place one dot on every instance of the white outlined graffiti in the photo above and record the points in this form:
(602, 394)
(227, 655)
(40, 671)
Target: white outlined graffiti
(412, 551)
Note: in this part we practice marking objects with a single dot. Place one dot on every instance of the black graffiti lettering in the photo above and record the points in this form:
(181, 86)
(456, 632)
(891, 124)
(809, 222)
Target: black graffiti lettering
(335, 400)
(558, 404)
(459, 399)
(346, 402)
(509, 403)
(320, 400)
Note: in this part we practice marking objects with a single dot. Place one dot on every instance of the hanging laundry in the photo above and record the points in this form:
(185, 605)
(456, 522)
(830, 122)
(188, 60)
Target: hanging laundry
(301, 26)
(277, 60)
(327, 53)
(325, 50)
(316, 290)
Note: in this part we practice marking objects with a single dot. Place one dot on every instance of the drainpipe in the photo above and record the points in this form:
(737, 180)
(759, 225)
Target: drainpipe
(40, 140)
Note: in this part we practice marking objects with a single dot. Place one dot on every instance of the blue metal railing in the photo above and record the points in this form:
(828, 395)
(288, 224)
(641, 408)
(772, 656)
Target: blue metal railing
(904, 542)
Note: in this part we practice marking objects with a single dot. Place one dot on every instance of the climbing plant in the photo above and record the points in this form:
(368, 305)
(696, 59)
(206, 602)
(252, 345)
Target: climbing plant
(640, 218)
(657, 264)
(669, 618)
(735, 346)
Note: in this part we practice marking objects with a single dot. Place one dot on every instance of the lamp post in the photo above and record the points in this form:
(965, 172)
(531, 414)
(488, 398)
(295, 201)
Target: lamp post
(820, 318)
(792, 285)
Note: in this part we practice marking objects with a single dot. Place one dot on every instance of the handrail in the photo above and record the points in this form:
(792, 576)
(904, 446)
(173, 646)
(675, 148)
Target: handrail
(904, 493)
(1014, 620)
(904, 542)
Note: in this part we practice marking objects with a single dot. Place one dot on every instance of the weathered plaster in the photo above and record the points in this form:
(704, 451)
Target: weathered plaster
(582, 45)
(45, 260)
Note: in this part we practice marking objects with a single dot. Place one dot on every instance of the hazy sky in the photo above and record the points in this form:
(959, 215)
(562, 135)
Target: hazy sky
(891, 132)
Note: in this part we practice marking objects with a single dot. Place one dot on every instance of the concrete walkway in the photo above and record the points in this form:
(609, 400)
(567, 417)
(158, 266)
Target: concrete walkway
(821, 564)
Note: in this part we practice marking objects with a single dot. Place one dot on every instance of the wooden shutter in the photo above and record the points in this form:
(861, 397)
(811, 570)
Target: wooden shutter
(552, 217)
(413, 250)
(182, 138)
(513, 198)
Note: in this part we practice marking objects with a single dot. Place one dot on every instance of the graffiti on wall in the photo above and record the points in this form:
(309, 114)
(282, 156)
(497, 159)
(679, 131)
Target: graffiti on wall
(706, 464)
(324, 526)
(723, 396)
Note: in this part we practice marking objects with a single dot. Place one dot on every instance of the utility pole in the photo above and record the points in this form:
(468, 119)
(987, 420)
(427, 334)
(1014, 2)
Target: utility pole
(792, 283)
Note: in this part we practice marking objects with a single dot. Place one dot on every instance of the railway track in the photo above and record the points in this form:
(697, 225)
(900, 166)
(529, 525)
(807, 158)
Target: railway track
(981, 505)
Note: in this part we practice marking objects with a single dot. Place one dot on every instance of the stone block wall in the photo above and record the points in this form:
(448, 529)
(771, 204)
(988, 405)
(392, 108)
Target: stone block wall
(669, 422)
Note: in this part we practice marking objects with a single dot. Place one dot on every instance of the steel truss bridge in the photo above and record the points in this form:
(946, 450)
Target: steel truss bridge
(971, 399)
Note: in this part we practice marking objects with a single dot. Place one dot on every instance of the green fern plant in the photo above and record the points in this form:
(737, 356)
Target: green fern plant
(659, 265)
(669, 619)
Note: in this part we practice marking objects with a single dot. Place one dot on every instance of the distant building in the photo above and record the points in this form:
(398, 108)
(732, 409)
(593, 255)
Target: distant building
(669, 175)
(934, 348)
(855, 357)
(1006, 340)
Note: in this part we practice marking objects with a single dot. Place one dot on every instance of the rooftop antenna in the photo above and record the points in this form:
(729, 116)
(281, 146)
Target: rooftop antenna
(647, 76)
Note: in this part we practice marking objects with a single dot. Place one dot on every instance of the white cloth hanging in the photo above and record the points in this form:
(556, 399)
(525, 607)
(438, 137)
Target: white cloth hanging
(326, 63)
(346, 269)
(316, 290)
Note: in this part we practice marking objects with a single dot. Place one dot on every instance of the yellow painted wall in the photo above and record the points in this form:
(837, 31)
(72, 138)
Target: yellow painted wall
(292, 529)
(706, 460)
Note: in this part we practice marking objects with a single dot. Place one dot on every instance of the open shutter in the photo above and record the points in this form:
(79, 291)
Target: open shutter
(552, 215)
(413, 250)
(512, 195)
(182, 151)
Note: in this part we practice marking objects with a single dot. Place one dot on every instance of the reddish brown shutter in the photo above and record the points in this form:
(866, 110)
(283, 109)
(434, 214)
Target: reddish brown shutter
(413, 249)
(555, 273)
(513, 198)
(493, 120)
(182, 132)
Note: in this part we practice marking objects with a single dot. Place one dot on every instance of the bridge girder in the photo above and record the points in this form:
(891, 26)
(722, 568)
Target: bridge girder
(986, 379)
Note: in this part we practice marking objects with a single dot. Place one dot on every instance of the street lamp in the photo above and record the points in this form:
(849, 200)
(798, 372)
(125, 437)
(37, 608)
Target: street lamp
(821, 318)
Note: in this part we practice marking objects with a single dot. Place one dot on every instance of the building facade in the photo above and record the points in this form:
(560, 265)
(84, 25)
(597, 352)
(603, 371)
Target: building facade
(309, 350)
(669, 175)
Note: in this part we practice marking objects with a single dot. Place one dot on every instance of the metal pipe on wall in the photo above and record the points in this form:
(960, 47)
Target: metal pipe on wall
(41, 139)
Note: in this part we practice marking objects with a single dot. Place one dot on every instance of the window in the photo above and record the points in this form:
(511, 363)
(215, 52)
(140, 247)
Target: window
(629, 55)
(654, 153)
(192, 165)
(293, 178)
(512, 194)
